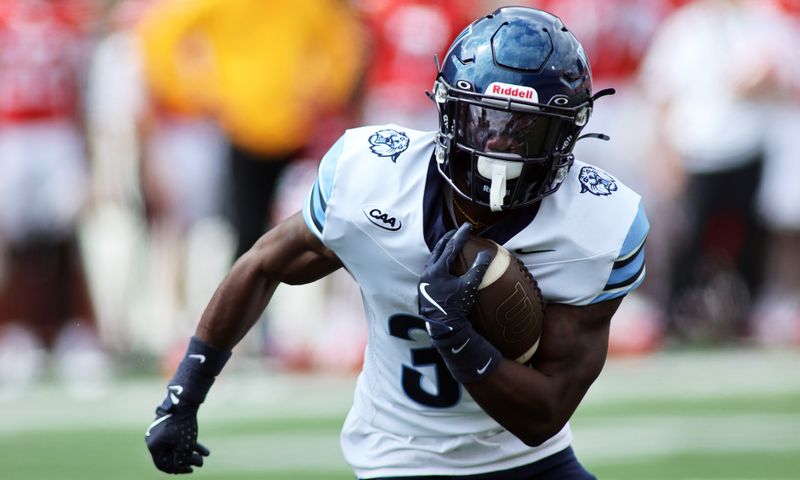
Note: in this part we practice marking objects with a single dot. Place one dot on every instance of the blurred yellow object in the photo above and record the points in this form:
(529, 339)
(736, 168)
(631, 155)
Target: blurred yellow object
(266, 69)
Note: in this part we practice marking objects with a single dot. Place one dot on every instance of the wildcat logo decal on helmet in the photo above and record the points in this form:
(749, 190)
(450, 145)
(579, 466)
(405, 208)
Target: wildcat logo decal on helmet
(596, 182)
(388, 143)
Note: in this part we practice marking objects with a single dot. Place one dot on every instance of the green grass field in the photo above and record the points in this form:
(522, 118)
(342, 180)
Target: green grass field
(692, 415)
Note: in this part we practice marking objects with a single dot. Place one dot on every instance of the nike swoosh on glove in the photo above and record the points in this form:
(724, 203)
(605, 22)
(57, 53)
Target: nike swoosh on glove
(172, 437)
(172, 440)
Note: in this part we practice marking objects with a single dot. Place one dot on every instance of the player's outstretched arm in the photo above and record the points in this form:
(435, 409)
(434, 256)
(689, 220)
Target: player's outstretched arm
(288, 253)
(535, 402)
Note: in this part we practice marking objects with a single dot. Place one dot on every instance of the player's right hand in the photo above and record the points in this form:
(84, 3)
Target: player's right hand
(172, 439)
(446, 299)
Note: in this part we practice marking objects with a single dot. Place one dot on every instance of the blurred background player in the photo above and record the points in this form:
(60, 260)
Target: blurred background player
(113, 229)
(44, 172)
(269, 72)
(277, 77)
(712, 88)
(159, 156)
(776, 312)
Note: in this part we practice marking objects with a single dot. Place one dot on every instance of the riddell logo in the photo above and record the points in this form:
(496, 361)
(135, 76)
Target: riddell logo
(501, 89)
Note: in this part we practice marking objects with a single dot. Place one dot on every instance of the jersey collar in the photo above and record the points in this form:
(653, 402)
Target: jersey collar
(436, 219)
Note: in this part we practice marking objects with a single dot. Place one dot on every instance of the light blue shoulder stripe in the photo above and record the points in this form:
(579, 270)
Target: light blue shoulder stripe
(628, 271)
(314, 211)
(314, 223)
(636, 235)
(327, 169)
(316, 203)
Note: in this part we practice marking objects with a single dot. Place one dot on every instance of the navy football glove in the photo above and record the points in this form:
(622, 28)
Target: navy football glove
(172, 437)
(445, 301)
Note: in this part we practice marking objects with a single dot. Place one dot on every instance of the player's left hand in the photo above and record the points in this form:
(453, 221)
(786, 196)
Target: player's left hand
(172, 439)
(445, 299)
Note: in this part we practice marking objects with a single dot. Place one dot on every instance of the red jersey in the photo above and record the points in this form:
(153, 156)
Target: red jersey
(406, 35)
(41, 55)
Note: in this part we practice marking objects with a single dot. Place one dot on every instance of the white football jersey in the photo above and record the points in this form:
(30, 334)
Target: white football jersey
(377, 203)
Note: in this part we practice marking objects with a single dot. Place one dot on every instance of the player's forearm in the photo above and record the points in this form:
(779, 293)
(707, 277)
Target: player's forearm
(237, 304)
(535, 402)
(531, 405)
(287, 253)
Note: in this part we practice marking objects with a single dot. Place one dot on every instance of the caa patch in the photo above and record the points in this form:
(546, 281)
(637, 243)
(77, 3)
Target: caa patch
(388, 143)
(380, 218)
(596, 182)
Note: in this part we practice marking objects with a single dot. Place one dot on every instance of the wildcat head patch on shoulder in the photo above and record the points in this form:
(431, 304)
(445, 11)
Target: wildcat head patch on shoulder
(388, 143)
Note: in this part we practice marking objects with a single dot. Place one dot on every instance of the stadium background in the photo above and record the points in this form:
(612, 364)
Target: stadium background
(105, 268)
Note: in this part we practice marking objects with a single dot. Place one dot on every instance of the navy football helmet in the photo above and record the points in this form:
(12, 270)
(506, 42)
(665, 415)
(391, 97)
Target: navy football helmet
(513, 92)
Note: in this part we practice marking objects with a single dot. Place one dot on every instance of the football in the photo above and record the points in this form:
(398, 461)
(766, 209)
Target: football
(509, 310)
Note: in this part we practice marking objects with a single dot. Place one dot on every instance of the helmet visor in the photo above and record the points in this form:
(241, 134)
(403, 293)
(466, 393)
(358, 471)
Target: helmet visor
(526, 135)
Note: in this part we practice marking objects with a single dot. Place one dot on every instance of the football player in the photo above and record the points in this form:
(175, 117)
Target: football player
(434, 398)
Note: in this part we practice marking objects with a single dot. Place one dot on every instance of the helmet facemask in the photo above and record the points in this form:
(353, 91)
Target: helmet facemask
(504, 153)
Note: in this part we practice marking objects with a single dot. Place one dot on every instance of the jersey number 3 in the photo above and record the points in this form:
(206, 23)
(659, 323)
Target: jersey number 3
(448, 390)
